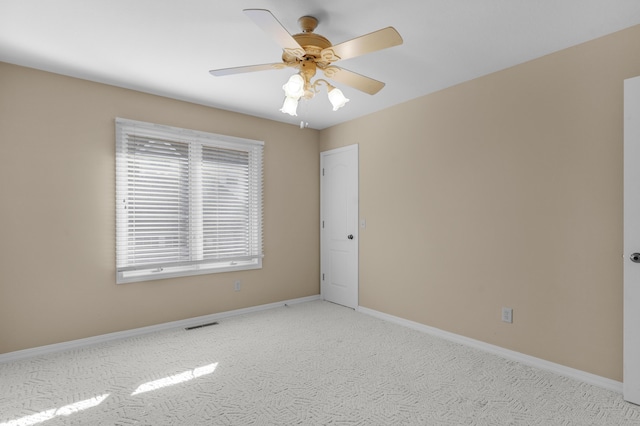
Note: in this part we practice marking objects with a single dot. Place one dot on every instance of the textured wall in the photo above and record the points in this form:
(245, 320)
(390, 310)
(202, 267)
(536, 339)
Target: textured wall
(57, 219)
(504, 191)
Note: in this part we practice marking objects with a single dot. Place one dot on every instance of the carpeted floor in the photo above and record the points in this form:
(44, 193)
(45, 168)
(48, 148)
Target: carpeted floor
(308, 364)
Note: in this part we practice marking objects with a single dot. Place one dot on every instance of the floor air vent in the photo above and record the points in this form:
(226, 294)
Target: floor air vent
(201, 325)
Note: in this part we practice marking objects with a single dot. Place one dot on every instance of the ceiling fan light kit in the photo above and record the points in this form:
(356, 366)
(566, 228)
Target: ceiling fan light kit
(300, 86)
(308, 52)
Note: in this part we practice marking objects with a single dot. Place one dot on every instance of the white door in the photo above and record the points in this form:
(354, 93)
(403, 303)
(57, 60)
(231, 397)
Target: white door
(631, 373)
(339, 225)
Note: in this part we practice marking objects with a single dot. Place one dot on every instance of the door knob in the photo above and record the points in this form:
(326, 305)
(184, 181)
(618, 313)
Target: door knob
(635, 257)
(350, 236)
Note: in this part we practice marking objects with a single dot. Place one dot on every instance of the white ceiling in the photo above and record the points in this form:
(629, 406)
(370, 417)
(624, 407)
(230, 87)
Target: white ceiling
(167, 47)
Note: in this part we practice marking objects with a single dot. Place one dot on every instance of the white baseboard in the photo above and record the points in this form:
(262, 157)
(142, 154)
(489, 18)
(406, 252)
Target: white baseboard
(189, 322)
(542, 364)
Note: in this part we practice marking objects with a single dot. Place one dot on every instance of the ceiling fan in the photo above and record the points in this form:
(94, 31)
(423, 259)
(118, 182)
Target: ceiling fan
(308, 51)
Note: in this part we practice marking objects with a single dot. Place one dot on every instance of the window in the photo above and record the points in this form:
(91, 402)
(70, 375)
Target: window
(187, 202)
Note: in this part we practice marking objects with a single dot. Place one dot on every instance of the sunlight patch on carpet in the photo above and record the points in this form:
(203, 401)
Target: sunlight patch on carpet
(175, 379)
(66, 410)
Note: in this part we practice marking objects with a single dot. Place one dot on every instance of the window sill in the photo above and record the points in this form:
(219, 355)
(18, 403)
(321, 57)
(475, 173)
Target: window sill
(184, 271)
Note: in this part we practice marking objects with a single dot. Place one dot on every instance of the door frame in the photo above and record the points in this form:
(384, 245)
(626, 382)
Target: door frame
(356, 230)
(631, 233)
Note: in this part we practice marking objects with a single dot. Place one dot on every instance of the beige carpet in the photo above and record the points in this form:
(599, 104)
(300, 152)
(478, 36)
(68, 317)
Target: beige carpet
(308, 364)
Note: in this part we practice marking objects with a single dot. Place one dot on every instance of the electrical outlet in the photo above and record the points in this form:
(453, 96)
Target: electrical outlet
(236, 285)
(507, 315)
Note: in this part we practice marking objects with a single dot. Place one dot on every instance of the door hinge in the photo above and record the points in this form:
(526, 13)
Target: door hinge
(323, 277)
(323, 171)
(323, 224)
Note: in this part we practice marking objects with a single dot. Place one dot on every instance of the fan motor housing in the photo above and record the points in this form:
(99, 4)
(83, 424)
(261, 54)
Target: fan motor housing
(311, 42)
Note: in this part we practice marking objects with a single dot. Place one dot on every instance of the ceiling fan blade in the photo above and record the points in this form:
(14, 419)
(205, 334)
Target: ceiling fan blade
(270, 25)
(377, 40)
(355, 80)
(248, 68)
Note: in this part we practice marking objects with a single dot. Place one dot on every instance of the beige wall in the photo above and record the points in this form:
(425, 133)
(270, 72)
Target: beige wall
(57, 218)
(504, 191)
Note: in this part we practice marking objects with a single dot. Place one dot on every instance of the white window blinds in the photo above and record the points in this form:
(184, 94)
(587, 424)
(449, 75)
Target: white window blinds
(187, 202)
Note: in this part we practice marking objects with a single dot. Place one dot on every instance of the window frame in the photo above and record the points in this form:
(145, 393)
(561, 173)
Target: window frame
(129, 129)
